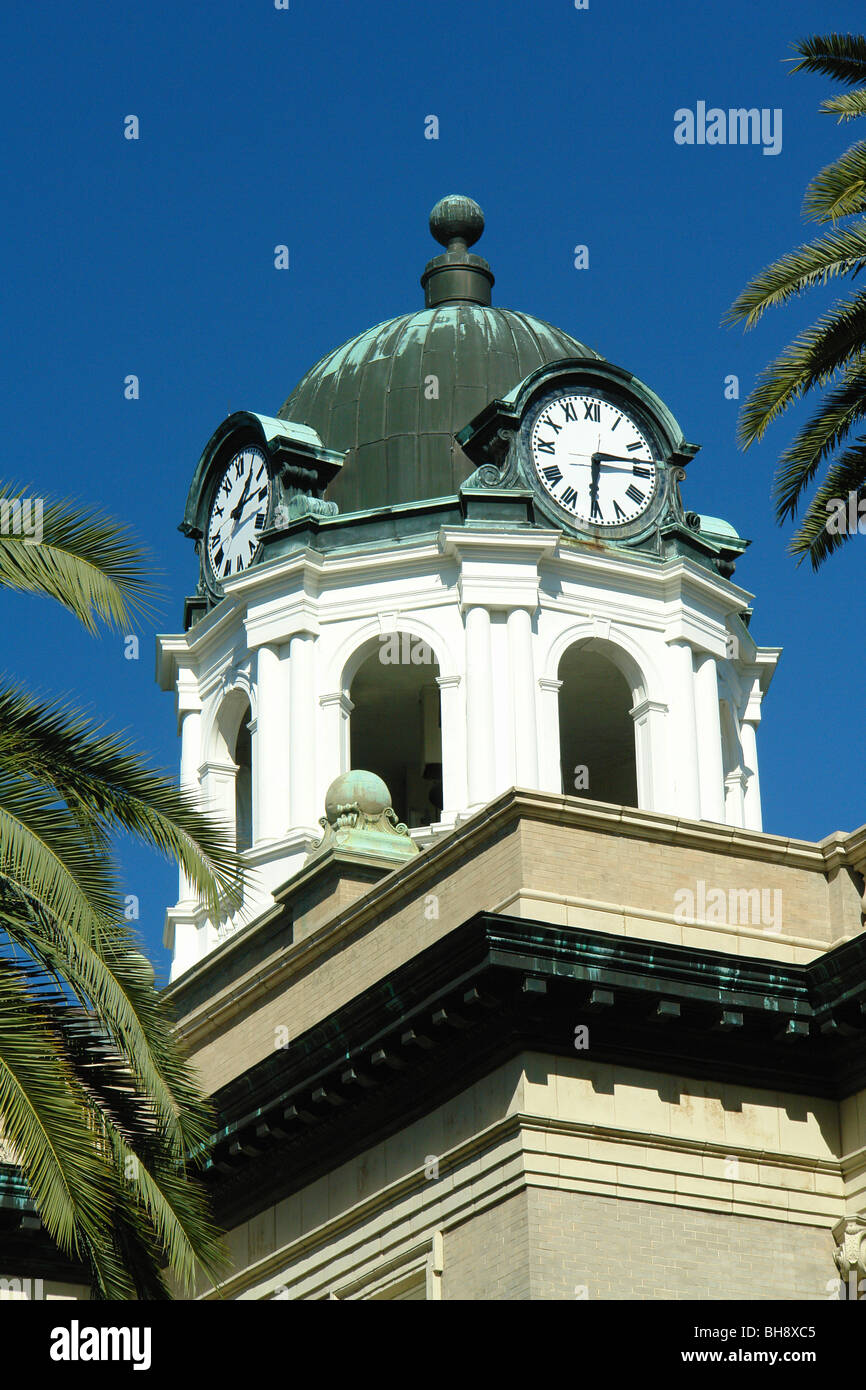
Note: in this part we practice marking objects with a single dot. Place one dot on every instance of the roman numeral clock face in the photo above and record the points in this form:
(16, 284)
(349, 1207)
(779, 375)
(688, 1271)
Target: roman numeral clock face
(238, 513)
(593, 460)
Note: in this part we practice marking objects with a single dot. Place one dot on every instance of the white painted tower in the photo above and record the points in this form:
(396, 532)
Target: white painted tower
(463, 571)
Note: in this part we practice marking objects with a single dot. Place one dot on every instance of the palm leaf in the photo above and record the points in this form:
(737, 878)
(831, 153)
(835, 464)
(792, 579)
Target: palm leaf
(839, 190)
(176, 1208)
(83, 560)
(847, 106)
(841, 56)
(814, 357)
(838, 413)
(42, 1120)
(108, 788)
(847, 475)
(840, 252)
(110, 982)
(41, 851)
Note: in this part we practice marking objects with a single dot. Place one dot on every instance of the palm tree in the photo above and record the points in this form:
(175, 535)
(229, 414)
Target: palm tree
(97, 1106)
(830, 357)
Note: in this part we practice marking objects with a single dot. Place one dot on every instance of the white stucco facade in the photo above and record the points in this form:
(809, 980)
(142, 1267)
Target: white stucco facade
(498, 609)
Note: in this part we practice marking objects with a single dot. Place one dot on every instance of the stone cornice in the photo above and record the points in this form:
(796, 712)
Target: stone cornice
(466, 841)
(500, 985)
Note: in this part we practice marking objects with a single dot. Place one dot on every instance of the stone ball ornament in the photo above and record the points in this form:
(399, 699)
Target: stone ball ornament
(359, 791)
(360, 818)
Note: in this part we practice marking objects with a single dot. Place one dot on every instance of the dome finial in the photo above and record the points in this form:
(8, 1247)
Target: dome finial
(457, 276)
(456, 219)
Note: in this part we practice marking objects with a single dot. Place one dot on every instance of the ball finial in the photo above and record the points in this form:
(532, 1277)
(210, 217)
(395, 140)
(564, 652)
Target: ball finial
(362, 789)
(456, 218)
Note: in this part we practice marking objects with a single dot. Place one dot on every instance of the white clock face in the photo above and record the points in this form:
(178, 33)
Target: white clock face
(593, 460)
(238, 513)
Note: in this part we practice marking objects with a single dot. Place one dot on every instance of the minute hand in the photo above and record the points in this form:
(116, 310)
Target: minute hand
(617, 458)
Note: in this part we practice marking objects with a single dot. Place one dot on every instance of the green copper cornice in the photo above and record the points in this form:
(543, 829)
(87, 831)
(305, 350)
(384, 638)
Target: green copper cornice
(499, 985)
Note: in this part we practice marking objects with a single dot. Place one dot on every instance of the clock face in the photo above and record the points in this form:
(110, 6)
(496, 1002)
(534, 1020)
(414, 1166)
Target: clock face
(593, 460)
(238, 513)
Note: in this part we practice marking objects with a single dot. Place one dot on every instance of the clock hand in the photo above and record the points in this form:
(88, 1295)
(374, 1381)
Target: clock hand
(236, 511)
(617, 458)
(256, 504)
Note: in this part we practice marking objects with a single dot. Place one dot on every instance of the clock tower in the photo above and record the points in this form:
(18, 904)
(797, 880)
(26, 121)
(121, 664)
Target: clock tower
(516, 970)
(457, 558)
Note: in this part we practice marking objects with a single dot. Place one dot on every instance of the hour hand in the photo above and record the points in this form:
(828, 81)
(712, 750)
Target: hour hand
(617, 458)
(236, 511)
(593, 484)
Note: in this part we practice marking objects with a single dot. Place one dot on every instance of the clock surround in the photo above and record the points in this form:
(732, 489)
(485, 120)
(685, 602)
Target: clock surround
(630, 502)
(237, 514)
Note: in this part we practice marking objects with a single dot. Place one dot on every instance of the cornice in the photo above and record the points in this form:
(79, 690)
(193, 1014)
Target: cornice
(454, 849)
(497, 986)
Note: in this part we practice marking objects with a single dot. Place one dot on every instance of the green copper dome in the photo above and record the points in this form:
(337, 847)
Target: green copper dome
(394, 397)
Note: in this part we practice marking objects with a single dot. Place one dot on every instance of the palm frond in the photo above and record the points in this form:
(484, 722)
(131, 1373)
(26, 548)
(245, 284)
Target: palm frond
(167, 1210)
(847, 475)
(840, 252)
(847, 106)
(839, 190)
(176, 1208)
(838, 413)
(42, 1120)
(812, 359)
(841, 56)
(108, 788)
(110, 982)
(41, 851)
(82, 559)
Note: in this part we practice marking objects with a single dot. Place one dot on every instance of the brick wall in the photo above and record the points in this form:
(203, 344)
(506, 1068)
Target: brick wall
(489, 1256)
(640, 1250)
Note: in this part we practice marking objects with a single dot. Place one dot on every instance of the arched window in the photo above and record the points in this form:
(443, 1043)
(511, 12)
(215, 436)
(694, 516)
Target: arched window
(596, 730)
(395, 725)
(244, 783)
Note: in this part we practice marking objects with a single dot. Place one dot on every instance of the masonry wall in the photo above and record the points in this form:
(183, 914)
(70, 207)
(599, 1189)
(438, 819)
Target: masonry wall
(555, 1246)
(579, 870)
(582, 1246)
(558, 1179)
(490, 1257)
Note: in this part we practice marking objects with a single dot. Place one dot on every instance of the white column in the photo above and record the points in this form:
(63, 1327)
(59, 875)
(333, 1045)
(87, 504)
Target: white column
(752, 815)
(549, 756)
(304, 807)
(479, 706)
(335, 747)
(190, 762)
(270, 791)
(454, 795)
(712, 776)
(519, 625)
(650, 751)
(734, 798)
(684, 743)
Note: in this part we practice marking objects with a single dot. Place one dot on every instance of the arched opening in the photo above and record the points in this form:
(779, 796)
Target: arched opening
(396, 727)
(596, 730)
(243, 757)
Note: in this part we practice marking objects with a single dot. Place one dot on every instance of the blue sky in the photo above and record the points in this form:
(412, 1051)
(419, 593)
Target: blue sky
(305, 127)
